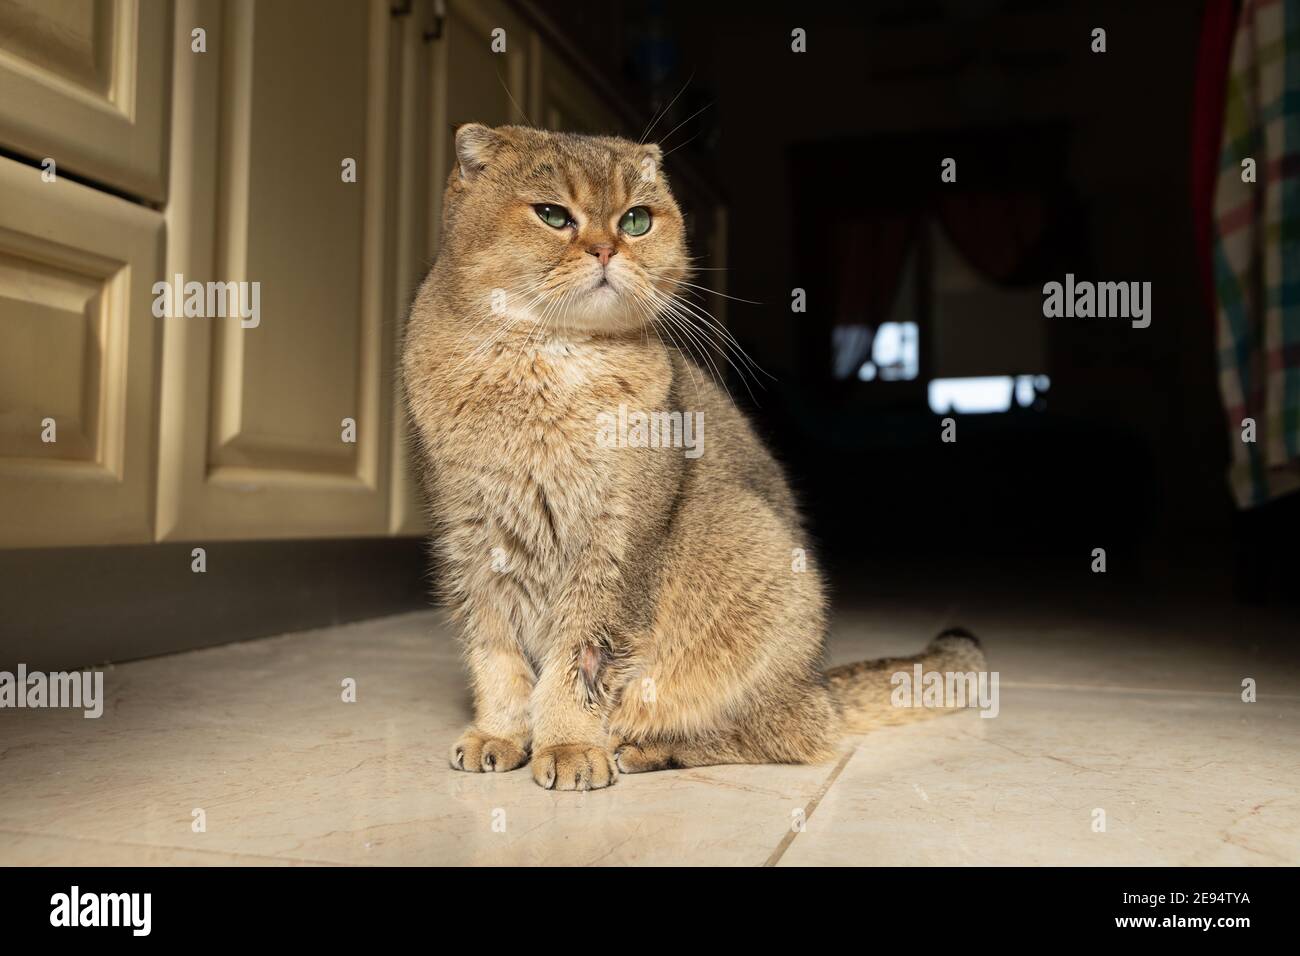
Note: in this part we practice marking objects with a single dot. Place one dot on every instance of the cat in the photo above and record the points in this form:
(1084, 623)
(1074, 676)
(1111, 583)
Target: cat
(625, 607)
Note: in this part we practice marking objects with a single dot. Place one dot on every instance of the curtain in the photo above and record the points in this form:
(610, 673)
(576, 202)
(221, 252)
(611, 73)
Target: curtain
(1256, 251)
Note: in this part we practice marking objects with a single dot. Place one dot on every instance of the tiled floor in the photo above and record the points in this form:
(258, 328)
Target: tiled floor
(1123, 715)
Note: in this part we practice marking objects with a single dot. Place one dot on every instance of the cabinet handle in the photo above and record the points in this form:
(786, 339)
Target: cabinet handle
(434, 31)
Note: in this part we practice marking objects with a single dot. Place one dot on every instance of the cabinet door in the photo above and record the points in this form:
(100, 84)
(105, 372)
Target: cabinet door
(473, 83)
(78, 363)
(84, 82)
(451, 75)
(253, 436)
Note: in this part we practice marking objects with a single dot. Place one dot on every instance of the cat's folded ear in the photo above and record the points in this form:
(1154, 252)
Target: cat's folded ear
(652, 158)
(475, 146)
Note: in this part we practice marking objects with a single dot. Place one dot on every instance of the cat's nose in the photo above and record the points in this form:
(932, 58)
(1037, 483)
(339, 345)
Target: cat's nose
(603, 251)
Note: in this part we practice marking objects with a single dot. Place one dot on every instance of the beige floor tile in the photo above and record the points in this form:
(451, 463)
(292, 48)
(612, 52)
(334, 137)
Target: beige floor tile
(1159, 648)
(31, 849)
(1182, 780)
(256, 736)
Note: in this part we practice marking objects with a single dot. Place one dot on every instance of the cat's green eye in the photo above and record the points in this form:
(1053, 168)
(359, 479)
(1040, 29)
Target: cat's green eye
(557, 217)
(636, 221)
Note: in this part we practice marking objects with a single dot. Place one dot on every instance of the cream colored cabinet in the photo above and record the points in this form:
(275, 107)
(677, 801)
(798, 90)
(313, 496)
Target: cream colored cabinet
(80, 83)
(280, 425)
(472, 82)
(78, 362)
(226, 368)
(456, 68)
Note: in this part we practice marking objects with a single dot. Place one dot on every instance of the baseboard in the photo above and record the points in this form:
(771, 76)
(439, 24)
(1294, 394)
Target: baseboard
(73, 607)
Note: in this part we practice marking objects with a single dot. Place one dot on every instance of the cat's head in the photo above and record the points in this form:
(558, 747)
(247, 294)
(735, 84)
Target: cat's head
(580, 232)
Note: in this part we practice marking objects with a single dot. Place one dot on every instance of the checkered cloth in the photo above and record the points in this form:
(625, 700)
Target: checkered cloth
(1257, 251)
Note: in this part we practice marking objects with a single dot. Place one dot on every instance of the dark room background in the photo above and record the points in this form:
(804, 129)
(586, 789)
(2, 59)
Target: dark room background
(1068, 161)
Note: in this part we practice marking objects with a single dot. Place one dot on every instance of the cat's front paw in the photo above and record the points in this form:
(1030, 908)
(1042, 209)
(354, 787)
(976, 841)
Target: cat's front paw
(573, 767)
(483, 753)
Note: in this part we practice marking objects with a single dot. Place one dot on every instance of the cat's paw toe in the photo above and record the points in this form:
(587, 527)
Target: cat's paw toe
(629, 758)
(483, 753)
(573, 767)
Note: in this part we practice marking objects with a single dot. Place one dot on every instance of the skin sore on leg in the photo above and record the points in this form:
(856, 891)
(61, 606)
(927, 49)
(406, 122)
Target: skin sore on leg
(589, 661)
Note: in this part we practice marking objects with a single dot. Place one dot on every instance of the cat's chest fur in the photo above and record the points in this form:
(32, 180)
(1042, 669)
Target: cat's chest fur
(520, 473)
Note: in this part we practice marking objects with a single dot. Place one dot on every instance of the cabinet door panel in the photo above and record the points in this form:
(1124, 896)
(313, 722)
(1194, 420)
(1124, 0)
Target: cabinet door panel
(253, 436)
(84, 82)
(78, 363)
(456, 78)
(473, 84)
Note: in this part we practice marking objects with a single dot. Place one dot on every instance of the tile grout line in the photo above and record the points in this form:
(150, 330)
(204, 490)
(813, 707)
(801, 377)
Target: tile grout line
(810, 809)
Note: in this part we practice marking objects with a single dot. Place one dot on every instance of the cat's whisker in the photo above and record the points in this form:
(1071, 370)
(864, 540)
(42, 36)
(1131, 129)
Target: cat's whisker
(720, 344)
(654, 120)
(704, 346)
(557, 309)
(486, 315)
(538, 330)
(726, 341)
(701, 342)
(535, 291)
(650, 311)
(693, 285)
(684, 143)
(553, 316)
(484, 347)
(514, 101)
(664, 139)
(721, 330)
(704, 322)
(488, 341)
(686, 353)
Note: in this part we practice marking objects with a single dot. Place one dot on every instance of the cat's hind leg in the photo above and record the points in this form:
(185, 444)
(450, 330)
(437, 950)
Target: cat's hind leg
(674, 755)
(799, 728)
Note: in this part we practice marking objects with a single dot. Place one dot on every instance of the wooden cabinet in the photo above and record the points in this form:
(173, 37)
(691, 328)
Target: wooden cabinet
(83, 82)
(190, 425)
(451, 75)
(253, 436)
(78, 362)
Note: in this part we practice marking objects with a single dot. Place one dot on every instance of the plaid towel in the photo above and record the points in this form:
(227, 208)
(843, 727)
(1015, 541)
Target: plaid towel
(1257, 251)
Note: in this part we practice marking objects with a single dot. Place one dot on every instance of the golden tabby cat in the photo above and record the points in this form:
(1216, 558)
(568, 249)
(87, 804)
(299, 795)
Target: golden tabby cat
(627, 603)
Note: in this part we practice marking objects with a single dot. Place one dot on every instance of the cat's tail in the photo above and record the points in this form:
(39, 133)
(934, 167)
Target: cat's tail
(895, 690)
